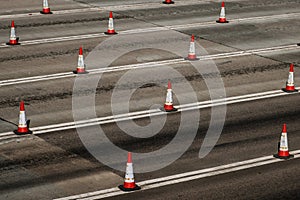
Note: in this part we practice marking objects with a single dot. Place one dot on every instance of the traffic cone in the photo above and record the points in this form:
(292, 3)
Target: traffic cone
(129, 184)
(13, 39)
(283, 152)
(168, 2)
(222, 18)
(46, 8)
(168, 107)
(81, 66)
(192, 52)
(110, 30)
(290, 87)
(22, 127)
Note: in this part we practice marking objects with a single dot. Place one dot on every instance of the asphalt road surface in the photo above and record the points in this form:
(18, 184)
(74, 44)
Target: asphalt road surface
(250, 55)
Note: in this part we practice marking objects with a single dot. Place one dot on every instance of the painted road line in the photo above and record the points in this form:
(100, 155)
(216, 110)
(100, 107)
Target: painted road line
(147, 113)
(152, 29)
(184, 177)
(148, 65)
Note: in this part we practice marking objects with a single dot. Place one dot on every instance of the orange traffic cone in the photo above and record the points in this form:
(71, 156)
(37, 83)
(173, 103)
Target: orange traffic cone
(13, 39)
(46, 8)
(192, 51)
(168, 2)
(22, 127)
(168, 107)
(129, 184)
(222, 18)
(110, 30)
(283, 152)
(80, 66)
(290, 87)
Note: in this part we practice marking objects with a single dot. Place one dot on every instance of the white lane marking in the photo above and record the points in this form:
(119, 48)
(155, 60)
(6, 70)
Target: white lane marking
(183, 177)
(148, 64)
(147, 113)
(152, 29)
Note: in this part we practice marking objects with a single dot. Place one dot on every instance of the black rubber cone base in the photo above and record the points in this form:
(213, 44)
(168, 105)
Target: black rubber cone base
(85, 72)
(163, 109)
(289, 91)
(107, 33)
(172, 2)
(121, 187)
(48, 13)
(298, 44)
(218, 21)
(187, 58)
(22, 133)
(12, 44)
(283, 157)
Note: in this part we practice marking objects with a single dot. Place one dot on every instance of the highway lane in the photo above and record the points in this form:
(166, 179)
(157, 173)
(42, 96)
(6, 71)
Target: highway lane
(36, 56)
(154, 64)
(251, 135)
(30, 36)
(123, 117)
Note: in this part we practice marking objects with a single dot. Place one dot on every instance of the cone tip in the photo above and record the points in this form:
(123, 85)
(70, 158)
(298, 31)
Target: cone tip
(22, 107)
(169, 84)
(129, 157)
(284, 128)
(12, 23)
(110, 14)
(80, 51)
(291, 67)
(223, 4)
(193, 38)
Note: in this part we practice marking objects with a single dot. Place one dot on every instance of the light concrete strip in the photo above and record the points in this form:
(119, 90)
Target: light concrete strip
(153, 29)
(235, 21)
(58, 12)
(148, 65)
(97, 8)
(145, 113)
(184, 177)
(152, 5)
